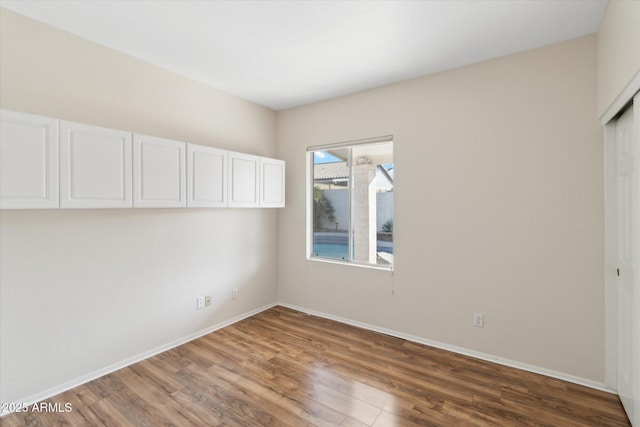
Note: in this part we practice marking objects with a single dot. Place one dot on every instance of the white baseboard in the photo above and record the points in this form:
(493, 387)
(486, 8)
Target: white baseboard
(459, 350)
(30, 400)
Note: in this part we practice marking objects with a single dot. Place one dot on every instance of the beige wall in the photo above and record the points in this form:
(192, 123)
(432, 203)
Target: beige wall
(618, 52)
(498, 209)
(84, 289)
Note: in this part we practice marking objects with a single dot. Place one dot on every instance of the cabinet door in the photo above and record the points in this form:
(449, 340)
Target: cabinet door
(206, 176)
(28, 161)
(95, 167)
(271, 183)
(158, 173)
(243, 180)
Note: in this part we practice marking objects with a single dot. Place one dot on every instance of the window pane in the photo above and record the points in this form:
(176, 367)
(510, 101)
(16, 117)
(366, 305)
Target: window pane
(331, 212)
(353, 203)
(372, 203)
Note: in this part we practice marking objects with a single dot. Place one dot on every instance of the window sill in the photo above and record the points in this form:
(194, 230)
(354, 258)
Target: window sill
(351, 263)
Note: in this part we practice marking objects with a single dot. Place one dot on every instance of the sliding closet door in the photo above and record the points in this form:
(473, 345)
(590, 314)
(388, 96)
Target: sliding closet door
(628, 294)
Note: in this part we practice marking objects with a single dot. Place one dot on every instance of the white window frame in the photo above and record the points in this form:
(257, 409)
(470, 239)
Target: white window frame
(309, 201)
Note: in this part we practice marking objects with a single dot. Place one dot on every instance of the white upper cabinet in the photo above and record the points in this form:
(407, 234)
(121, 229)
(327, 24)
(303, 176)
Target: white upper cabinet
(159, 173)
(243, 180)
(28, 161)
(206, 176)
(95, 167)
(271, 183)
(47, 163)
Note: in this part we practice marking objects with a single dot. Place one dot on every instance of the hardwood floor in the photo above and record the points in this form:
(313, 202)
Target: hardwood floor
(284, 368)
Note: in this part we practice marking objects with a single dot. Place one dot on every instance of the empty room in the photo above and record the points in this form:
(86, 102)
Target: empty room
(320, 213)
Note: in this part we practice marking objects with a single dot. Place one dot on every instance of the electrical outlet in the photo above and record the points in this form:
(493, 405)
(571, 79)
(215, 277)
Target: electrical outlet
(478, 320)
(199, 303)
(207, 300)
(234, 293)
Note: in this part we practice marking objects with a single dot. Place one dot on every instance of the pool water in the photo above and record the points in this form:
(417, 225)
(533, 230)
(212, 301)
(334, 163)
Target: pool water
(336, 250)
(331, 250)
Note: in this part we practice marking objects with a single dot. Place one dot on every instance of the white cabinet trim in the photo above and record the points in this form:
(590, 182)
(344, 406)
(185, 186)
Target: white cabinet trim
(213, 178)
(69, 132)
(13, 194)
(159, 185)
(272, 183)
(244, 177)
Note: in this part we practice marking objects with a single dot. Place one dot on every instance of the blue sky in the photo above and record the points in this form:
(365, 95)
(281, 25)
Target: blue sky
(324, 157)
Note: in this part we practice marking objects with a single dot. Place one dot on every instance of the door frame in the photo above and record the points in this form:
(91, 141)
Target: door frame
(610, 257)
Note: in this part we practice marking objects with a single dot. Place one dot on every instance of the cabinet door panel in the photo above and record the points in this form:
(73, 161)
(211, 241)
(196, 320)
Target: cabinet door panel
(28, 161)
(271, 183)
(159, 173)
(243, 180)
(95, 167)
(206, 176)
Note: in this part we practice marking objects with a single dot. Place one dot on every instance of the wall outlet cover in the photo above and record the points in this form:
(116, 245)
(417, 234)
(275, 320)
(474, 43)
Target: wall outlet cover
(478, 320)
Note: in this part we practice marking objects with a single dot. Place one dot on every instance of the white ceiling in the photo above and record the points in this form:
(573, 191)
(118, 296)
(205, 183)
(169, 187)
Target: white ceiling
(284, 54)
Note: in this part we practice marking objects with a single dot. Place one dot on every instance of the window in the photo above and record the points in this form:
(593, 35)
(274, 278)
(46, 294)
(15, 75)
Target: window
(350, 202)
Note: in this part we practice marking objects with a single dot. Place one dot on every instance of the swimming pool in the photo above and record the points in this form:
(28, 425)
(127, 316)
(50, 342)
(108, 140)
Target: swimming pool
(341, 251)
(331, 250)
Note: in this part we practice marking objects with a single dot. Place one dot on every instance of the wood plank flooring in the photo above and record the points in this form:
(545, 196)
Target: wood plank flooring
(284, 368)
